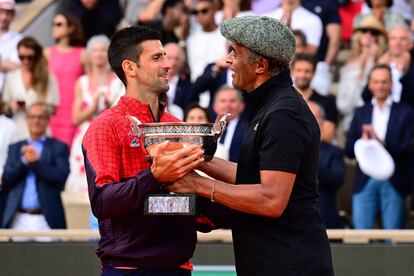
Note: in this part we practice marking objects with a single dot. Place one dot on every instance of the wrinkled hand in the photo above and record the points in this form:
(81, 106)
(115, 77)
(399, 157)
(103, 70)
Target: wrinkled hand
(30, 154)
(170, 166)
(187, 184)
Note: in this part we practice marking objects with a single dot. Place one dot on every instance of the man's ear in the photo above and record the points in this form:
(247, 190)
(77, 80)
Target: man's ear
(262, 66)
(129, 68)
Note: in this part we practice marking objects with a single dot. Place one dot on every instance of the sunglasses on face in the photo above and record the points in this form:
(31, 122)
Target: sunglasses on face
(26, 57)
(202, 11)
(371, 32)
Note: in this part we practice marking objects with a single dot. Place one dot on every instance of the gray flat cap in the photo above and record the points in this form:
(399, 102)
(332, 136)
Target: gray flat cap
(261, 34)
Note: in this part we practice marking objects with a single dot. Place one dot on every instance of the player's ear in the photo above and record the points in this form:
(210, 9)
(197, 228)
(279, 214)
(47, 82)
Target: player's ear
(129, 68)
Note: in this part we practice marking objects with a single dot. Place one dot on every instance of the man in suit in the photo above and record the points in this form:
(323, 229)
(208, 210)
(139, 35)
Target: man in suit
(180, 93)
(331, 173)
(391, 124)
(229, 99)
(34, 175)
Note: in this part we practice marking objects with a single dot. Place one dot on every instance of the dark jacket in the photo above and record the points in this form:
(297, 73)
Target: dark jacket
(399, 142)
(51, 172)
(184, 95)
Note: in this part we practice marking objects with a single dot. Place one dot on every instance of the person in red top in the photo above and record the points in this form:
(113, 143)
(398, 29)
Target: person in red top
(119, 177)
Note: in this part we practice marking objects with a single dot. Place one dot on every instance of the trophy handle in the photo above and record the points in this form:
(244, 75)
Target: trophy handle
(219, 125)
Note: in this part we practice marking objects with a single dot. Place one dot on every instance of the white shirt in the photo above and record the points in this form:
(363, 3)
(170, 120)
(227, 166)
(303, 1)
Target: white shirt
(380, 117)
(8, 50)
(231, 128)
(304, 20)
(8, 136)
(173, 88)
(204, 48)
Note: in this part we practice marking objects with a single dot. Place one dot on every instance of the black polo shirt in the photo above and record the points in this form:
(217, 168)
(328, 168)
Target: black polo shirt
(282, 135)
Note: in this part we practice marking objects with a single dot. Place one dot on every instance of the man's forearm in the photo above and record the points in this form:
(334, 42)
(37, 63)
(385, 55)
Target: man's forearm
(334, 35)
(220, 169)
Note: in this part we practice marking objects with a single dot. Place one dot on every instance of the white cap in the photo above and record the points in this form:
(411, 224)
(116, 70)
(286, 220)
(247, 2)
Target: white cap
(373, 159)
(7, 5)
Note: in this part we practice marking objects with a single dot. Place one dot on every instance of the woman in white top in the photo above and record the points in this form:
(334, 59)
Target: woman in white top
(28, 84)
(94, 92)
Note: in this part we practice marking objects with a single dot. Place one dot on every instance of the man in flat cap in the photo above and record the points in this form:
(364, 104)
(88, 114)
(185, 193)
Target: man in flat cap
(276, 225)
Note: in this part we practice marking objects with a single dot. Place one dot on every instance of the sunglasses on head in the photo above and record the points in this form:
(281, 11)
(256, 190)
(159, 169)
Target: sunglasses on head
(202, 11)
(370, 31)
(26, 57)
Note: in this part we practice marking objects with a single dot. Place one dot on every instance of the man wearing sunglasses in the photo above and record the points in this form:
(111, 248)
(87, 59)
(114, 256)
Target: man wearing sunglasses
(8, 40)
(204, 45)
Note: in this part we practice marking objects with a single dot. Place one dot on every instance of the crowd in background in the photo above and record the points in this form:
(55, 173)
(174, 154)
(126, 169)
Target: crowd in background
(56, 90)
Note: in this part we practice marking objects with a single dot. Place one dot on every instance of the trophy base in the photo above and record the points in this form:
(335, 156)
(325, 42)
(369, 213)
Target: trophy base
(170, 204)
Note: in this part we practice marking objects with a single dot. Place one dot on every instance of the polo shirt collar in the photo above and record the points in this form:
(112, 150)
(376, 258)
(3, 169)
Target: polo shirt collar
(267, 89)
(134, 107)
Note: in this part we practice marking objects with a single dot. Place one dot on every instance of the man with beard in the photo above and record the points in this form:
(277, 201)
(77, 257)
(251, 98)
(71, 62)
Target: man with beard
(120, 177)
(303, 70)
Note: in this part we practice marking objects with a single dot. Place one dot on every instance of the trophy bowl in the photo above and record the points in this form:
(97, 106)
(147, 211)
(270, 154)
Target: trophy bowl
(180, 134)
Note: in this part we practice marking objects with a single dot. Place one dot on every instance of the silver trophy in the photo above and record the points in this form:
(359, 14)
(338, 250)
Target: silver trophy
(178, 134)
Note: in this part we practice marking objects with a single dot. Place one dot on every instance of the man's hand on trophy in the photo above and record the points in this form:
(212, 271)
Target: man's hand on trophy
(168, 166)
(187, 184)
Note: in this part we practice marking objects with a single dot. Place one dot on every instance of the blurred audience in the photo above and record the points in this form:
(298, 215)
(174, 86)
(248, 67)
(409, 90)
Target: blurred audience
(301, 42)
(331, 174)
(94, 93)
(205, 45)
(9, 59)
(302, 71)
(180, 94)
(174, 20)
(391, 124)
(97, 16)
(28, 84)
(34, 176)
(296, 17)
(381, 9)
(369, 42)
(230, 100)
(229, 9)
(66, 61)
(328, 12)
(196, 114)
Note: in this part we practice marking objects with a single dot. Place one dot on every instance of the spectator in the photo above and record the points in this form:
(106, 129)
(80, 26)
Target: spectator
(381, 9)
(230, 100)
(205, 45)
(180, 94)
(392, 125)
(97, 16)
(66, 60)
(301, 42)
(302, 71)
(143, 11)
(8, 40)
(331, 173)
(34, 175)
(30, 83)
(229, 9)
(174, 16)
(8, 135)
(196, 114)
(94, 92)
(328, 12)
(398, 57)
(369, 42)
(297, 17)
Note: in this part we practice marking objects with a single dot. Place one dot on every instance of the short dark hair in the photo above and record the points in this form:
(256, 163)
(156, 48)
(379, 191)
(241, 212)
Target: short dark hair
(301, 35)
(380, 66)
(169, 4)
(305, 57)
(125, 45)
(196, 106)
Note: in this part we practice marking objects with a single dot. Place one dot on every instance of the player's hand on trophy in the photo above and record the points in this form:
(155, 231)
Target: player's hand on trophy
(168, 166)
(187, 184)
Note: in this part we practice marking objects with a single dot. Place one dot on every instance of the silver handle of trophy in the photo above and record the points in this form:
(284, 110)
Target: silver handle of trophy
(220, 124)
